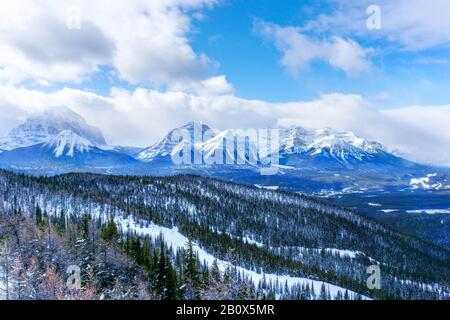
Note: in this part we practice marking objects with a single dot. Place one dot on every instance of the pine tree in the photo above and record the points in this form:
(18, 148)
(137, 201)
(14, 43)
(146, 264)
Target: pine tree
(62, 221)
(38, 215)
(85, 226)
(110, 233)
(171, 291)
(214, 287)
(346, 295)
(191, 275)
(161, 272)
(323, 292)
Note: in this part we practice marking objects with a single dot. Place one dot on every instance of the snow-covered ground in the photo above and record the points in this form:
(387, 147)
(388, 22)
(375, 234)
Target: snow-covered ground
(176, 240)
(372, 204)
(430, 211)
(389, 210)
(426, 182)
(273, 188)
(425, 211)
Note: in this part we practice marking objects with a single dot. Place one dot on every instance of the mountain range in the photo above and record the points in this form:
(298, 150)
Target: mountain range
(344, 169)
(321, 161)
(55, 141)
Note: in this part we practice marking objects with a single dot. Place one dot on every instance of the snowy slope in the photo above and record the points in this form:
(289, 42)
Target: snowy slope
(341, 147)
(66, 152)
(2, 286)
(297, 147)
(174, 141)
(40, 128)
(176, 240)
(68, 143)
(341, 241)
(235, 148)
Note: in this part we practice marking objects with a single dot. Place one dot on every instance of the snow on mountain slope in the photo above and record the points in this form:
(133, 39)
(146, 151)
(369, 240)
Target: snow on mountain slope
(174, 141)
(175, 240)
(67, 143)
(66, 152)
(341, 146)
(235, 148)
(39, 128)
(430, 182)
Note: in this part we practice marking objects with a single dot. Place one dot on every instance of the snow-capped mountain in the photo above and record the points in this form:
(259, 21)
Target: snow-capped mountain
(308, 160)
(60, 140)
(57, 141)
(236, 149)
(66, 153)
(174, 141)
(68, 143)
(205, 143)
(339, 145)
(297, 147)
(42, 127)
(326, 146)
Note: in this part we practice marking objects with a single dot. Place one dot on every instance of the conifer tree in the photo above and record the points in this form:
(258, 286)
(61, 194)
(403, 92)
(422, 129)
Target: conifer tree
(110, 233)
(191, 275)
(38, 214)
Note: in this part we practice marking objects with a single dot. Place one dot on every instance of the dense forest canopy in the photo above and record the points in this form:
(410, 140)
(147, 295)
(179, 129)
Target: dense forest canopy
(237, 242)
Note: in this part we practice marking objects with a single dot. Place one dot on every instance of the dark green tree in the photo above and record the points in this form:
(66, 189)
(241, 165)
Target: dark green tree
(192, 282)
(110, 233)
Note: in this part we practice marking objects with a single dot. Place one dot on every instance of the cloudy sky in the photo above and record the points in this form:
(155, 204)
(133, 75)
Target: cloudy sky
(138, 68)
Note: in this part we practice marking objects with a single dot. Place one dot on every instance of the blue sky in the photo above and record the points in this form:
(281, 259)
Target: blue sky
(398, 77)
(225, 33)
(138, 68)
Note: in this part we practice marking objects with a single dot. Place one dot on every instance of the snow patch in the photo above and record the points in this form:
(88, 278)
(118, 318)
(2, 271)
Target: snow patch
(375, 204)
(273, 188)
(430, 211)
(425, 182)
(389, 210)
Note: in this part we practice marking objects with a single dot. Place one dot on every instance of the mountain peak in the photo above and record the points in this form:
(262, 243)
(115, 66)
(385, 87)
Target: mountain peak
(43, 126)
(331, 144)
(191, 125)
(170, 142)
(66, 143)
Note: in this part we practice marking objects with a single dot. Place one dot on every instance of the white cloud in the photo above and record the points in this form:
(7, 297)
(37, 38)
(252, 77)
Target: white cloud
(146, 41)
(143, 116)
(211, 86)
(413, 24)
(299, 50)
